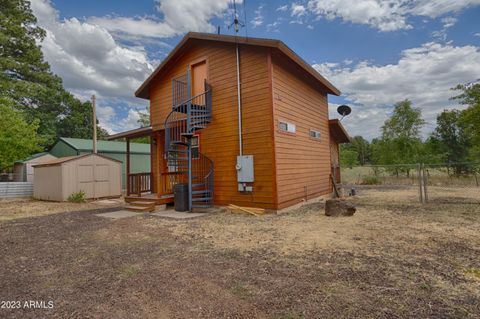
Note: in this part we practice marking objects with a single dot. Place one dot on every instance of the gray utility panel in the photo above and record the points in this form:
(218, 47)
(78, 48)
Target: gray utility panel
(245, 173)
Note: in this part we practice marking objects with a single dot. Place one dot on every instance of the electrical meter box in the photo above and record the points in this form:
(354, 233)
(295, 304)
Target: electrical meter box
(245, 174)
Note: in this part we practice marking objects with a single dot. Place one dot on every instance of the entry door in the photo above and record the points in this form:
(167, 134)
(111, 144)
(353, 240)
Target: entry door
(199, 75)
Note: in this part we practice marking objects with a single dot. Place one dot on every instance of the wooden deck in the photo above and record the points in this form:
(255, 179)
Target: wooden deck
(159, 200)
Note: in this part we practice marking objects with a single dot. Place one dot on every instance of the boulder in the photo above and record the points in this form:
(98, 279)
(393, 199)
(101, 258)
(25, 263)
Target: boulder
(339, 207)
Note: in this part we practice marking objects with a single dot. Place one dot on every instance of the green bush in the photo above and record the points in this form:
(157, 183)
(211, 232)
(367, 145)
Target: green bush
(78, 197)
(371, 180)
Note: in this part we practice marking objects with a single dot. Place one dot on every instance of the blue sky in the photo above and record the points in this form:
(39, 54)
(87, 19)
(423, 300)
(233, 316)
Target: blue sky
(376, 52)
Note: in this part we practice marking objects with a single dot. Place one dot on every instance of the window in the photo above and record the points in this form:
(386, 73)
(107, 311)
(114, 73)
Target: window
(286, 127)
(315, 134)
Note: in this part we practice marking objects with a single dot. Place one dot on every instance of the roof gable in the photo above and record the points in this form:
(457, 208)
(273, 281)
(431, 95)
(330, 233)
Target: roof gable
(143, 90)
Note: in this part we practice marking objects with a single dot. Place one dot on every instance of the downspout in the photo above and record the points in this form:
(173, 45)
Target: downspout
(240, 139)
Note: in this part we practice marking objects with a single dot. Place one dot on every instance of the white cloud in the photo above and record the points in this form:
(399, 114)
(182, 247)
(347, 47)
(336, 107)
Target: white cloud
(477, 34)
(90, 61)
(298, 10)
(385, 15)
(258, 19)
(424, 75)
(449, 22)
(87, 57)
(273, 27)
(283, 8)
(436, 8)
(179, 16)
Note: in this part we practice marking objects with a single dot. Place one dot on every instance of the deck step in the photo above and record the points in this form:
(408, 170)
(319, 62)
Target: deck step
(201, 199)
(203, 191)
(143, 203)
(135, 208)
(202, 206)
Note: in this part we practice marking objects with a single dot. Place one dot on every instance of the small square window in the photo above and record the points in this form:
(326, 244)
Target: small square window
(315, 134)
(287, 127)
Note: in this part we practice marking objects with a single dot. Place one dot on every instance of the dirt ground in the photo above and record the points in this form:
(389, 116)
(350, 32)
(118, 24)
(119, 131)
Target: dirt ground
(28, 207)
(394, 258)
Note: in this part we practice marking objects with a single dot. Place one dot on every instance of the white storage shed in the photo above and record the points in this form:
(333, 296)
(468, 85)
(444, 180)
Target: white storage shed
(96, 175)
(23, 170)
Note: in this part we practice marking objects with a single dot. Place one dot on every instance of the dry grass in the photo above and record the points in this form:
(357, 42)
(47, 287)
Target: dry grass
(22, 208)
(394, 258)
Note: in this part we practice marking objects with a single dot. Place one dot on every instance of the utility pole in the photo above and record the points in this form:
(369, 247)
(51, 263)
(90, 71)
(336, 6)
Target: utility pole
(94, 125)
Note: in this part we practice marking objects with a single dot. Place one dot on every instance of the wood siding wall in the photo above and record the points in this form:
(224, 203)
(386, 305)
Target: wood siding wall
(219, 141)
(302, 163)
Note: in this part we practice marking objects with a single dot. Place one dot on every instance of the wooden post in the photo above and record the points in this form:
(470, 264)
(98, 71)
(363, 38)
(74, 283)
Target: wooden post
(94, 124)
(127, 173)
(420, 182)
(425, 181)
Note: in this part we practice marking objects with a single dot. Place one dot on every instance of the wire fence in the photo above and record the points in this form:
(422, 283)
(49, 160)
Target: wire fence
(426, 183)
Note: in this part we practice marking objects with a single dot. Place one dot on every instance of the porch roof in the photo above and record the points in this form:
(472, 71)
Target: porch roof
(138, 132)
(338, 132)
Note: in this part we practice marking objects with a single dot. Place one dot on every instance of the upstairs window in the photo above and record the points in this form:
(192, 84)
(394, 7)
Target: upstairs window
(286, 127)
(315, 134)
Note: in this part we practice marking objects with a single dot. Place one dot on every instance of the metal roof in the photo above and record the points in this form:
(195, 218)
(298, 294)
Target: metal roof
(106, 146)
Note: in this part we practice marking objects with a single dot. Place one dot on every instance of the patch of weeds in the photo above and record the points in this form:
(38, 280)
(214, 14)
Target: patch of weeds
(78, 197)
(240, 290)
(474, 272)
(371, 180)
(129, 271)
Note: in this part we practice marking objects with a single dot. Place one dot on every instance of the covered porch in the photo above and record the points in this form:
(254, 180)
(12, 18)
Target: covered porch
(155, 186)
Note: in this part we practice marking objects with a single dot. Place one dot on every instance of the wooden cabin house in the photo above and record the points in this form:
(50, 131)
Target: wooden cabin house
(239, 121)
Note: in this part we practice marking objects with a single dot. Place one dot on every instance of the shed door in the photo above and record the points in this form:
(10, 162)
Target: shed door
(85, 180)
(102, 180)
(199, 75)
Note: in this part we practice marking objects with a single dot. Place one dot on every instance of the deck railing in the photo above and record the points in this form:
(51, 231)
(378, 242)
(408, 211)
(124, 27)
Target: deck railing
(139, 183)
(170, 179)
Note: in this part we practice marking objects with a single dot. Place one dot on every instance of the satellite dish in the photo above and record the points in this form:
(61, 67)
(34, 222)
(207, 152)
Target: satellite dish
(344, 110)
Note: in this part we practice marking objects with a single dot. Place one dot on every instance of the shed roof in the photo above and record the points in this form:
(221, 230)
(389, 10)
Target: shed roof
(143, 90)
(61, 160)
(338, 132)
(106, 146)
(34, 156)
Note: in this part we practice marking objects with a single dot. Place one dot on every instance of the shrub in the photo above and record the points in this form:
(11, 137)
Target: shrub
(371, 180)
(78, 197)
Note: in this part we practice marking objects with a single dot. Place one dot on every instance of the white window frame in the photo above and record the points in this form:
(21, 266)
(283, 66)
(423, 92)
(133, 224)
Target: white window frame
(317, 135)
(291, 127)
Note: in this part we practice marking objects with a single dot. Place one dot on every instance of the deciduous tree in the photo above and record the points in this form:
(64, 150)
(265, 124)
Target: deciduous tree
(18, 139)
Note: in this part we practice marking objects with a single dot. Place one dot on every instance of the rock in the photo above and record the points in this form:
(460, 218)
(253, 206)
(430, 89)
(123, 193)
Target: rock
(339, 207)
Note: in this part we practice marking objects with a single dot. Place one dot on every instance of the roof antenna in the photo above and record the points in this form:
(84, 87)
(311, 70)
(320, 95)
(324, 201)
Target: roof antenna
(237, 24)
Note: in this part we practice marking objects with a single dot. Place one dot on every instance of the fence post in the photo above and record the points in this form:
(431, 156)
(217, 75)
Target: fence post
(476, 179)
(425, 182)
(419, 175)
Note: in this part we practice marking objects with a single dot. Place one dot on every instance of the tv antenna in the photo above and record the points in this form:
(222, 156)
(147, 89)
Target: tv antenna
(344, 110)
(236, 24)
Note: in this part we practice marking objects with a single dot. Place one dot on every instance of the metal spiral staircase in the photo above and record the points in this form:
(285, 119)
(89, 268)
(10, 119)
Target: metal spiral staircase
(189, 115)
